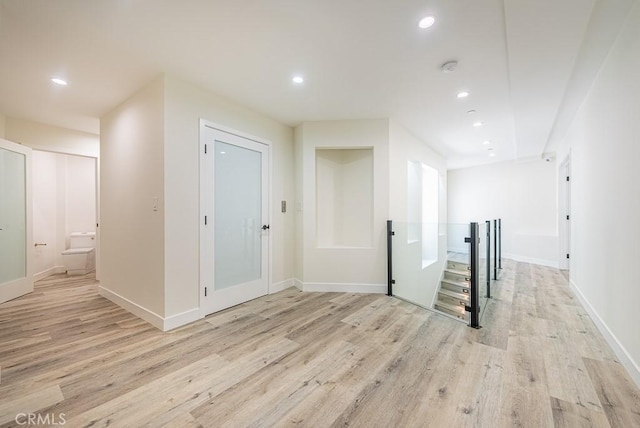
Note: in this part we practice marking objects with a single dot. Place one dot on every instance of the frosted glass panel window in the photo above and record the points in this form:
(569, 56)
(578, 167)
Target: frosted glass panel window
(414, 201)
(238, 219)
(344, 197)
(430, 199)
(13, 262)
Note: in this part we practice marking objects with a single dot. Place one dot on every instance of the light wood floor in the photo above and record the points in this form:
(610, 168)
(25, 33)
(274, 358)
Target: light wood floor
(315, 360)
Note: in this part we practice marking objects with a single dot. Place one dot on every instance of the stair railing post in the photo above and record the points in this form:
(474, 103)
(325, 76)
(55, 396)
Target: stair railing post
(495, 250)
(390, 234)
(474, 308)
(499, 243)
(488, 251)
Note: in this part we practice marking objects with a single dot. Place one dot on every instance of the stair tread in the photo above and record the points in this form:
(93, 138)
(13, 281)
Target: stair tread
(457, 309)
(458, 262)
(453, 294)
(455, 283)
(458, 272)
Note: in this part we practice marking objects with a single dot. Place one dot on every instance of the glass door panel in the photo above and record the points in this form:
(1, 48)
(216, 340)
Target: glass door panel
(15, 226)
(13, 213)
(238, 215)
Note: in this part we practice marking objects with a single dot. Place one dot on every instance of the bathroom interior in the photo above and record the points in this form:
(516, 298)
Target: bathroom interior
(64, 213)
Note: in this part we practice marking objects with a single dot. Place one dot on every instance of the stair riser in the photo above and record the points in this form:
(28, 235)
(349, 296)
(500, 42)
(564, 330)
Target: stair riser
(455, 288)
(457, 277)
(451, 300)
(450, 312)
(458, 266)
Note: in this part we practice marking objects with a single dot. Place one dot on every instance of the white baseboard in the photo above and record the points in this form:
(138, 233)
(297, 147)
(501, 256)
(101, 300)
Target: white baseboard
(627, 361)
(531, 260)
(178, 320)
(164, 324)
(282, 285)
(341, 288)
(144, 313)
(48, 272)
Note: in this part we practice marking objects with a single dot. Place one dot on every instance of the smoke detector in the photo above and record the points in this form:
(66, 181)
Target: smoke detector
(449, 66)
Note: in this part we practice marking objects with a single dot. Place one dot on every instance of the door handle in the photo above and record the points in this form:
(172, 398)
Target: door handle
(265, 227)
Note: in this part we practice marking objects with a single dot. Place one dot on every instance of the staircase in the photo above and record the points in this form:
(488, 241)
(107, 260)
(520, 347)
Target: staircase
(453, 295)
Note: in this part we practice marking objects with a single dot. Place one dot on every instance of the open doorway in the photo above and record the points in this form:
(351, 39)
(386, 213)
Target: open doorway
(64, 202)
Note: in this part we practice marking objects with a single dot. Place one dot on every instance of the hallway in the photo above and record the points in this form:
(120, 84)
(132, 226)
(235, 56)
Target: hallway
(315, 359)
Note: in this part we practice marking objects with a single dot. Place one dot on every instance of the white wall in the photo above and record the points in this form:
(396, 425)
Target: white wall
(80, 194)
(605, 204)
(348, 269)
(185, 105)
(51, 138)
(522, 194)
(150, 149)
(344, 196)
(64, 201)
(131, 176)
(413, 282)
(46, 211)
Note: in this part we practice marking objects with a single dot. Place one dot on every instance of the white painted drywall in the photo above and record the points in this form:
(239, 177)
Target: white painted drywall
(605, 187)
(131, 176)
(413, 282)
(46, 211)
(51, 138)
(80, 194)
(185, 105)
(522, 194)
(347, 267)
(344, 198)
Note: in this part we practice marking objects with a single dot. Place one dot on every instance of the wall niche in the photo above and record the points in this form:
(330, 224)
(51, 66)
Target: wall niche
(344, 197)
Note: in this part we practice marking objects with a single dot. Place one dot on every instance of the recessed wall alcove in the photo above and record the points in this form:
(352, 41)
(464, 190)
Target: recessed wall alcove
(344, 197)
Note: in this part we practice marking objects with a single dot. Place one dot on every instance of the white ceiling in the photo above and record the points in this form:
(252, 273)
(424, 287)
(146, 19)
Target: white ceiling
(360, 59)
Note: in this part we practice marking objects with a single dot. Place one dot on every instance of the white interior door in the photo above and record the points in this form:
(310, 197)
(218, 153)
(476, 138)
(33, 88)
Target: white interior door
(16, 276)
(235, 228)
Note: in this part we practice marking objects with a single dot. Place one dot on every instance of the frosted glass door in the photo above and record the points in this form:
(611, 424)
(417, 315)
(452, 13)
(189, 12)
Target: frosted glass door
(13, 212)
(238, 215)
(235, 230)
(14, 221)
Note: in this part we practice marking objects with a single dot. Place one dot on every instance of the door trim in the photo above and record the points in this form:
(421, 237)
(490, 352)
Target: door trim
(13, 289)
(204, 123)
(564, 210)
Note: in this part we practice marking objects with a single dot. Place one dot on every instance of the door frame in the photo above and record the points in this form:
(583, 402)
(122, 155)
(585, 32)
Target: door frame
(564, 210)
(204, 123)
(96, 160)
(16, 288)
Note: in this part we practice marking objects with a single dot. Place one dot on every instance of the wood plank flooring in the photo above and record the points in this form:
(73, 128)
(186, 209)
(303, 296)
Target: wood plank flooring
(314, 360)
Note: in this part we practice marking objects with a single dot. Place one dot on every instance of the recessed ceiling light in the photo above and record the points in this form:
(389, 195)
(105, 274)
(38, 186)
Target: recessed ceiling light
(486, 142)
(426, 22)
(463, 94)
(298, 79)
(476, 124)
(492, 155)
(59, 81)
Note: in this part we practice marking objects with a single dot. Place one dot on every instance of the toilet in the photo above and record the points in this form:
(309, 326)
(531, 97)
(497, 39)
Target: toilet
(80, 258)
